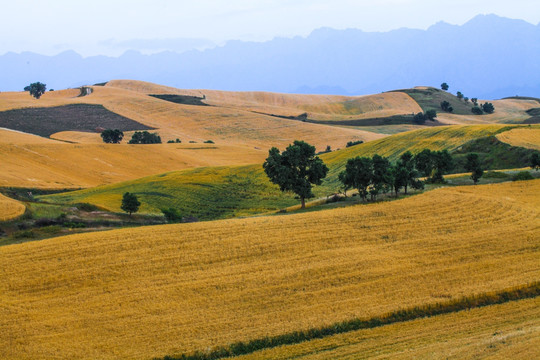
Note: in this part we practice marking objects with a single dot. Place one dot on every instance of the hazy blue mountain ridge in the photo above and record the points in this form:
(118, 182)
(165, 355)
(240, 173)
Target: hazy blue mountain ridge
(488, 57)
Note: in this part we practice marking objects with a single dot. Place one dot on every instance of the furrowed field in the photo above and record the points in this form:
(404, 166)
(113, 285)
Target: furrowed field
(165, 290)
(507, 331)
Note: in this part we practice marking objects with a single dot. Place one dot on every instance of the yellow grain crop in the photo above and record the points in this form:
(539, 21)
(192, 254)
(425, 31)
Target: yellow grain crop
(57, 165)
(507, 331)
(9, 208)
(525, 137)
(154, 291)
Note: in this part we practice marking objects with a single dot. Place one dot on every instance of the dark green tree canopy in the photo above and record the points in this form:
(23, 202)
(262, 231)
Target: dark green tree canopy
(130, 203)
(473, 165)
(445, 105)
(110, 136)
(36, 89)
(431, 115)
(144, 137)
(488, 108)
(444, 86)
(535, 161)
(358, 174)
(296, 169)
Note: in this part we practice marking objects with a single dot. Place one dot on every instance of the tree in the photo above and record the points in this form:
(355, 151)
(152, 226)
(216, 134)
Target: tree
(144, 137)
(130, 203)
(431, 114)
(459, 95)
(296, 169)
(474, 101)
(424, 162)
(488, 108)
(358, 174)
(382, 176)
(466, 99)
(110, 136)
(36, 89)
(172, 215)
(444, 86)
(476, 110)
(443, 163)
(407, 174)
(535, 161)
(473, 165)
(419, 118)
(445, 105)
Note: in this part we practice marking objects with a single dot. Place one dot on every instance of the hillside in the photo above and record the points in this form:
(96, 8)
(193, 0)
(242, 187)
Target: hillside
(498, 331)
(145, 292)
(222, 192)
(10, 208)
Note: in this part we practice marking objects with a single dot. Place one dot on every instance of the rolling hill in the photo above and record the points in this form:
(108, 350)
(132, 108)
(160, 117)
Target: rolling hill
(222, 192)
(10, 209)
(148, 292)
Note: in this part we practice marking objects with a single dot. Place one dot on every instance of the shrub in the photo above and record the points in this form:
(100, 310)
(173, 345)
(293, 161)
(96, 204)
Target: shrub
(522, 175)
(352, 143)
(172, 215)
(208, 142)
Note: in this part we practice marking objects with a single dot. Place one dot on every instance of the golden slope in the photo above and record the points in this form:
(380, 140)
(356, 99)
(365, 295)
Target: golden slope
(8, 136)
(62, 165)
(507, 331)
(525, 137)
(10, 209)
(154, 291)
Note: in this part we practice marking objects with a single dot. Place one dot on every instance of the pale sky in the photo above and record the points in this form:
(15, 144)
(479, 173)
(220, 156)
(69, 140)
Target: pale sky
(110, 27)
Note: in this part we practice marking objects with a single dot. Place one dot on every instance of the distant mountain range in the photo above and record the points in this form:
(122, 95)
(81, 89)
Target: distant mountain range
(489, 57)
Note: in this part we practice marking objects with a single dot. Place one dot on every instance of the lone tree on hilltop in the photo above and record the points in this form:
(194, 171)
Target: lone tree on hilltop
(473, 165)
(535, 161)
(130, 203)
(296, 169)
(110, 136)
(444, 86)
(36, 89)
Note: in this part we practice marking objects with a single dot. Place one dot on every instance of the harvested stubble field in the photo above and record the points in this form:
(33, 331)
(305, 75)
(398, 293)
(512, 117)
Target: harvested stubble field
(506, 331)
(164, 290)
(523, 137)
(10, 209)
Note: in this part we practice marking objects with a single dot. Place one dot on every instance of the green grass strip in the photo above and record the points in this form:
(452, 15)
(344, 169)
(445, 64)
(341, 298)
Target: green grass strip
(464, 303)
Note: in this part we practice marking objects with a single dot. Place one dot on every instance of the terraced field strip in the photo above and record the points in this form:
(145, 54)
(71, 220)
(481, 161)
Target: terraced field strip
(10, 209)
(506, 331)
(403, 315)
(166, 290)
(525, 137)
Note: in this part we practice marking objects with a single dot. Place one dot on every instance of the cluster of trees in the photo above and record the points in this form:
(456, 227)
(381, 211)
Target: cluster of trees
(298, 168)
(36, 89)
(421, 118)
(110, 136)
(487, 107)
(115, 136)
(177, 141)
(144, 137)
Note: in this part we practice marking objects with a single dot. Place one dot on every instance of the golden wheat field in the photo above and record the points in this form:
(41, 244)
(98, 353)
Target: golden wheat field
(507, 331)
(524, 137)
(320, 107)
(222, 124)
(9, 208)
(56, 165)
(139, 293)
